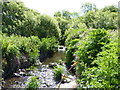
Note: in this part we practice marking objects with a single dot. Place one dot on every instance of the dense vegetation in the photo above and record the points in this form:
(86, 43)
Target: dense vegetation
(91, 39)
(20, 20)
(24, 50)
(95, 49)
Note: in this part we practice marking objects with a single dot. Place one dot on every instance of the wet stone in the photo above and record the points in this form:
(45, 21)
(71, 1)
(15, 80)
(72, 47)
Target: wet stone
(44, 73)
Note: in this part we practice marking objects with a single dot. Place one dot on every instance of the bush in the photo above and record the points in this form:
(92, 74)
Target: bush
(58, 71)
(23, 21)
(18, 52)
(70, 51)
(34, 84)
(91, 45)
(100, 19)
(72, 34)
(72, 42)
(49, 44)
(18, 46)
(106, 74)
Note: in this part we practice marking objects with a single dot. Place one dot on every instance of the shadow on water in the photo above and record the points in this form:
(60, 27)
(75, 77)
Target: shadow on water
(57, 56)
(43, 72)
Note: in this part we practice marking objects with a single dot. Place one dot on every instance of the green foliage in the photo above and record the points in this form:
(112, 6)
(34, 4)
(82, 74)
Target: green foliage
(111, 8)
(49, 27)
(32, 68)
(63, 25)
(28, 47)
(72, 34)
(106, 74)
(91, 45)
(100, 19)
(66, 14)
(63, 14)
(98, 58)
(67, 20)
(88, 7)
(20, 20)
(72, 41)
(58, 71)
(77, 24)
(58, 14)
(49, 44)
(60, 61)
(34, 83)
(25, 49)
(70, 51)
(18, 46)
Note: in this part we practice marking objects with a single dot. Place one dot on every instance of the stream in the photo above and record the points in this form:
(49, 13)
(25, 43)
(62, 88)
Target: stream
(44, 73)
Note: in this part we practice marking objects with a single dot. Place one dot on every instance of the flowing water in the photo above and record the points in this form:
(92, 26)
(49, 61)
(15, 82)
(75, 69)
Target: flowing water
(43, 72)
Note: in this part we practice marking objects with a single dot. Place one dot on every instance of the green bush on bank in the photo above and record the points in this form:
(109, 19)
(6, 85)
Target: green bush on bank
(34, 83)
(70, 51)
(72, 34)
(100, 19)
(97, 56)
(105, 75)
(25, 49)
(91, 45)
(58, 71)
(72, 42)
(18, 46)
(49, 44)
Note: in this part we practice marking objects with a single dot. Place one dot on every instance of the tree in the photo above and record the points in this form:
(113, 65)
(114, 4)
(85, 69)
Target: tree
(88, 7)
(75, 15)
(111, 8)
(100, 19)
(21, 20)
(58, 14)
(63, 14)
(66, 14)
(63, 25)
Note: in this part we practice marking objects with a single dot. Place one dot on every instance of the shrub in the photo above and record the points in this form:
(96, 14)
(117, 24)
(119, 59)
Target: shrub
(72, 34)
(49, 44)
(91, 45)
(106, 74)
(58, 71)
(17, 51)
(100, 19)
(34, 83)
(18, 46)
(23, 21)
(70, 51)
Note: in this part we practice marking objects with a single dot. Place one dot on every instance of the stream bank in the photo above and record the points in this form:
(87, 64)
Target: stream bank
(44, 72)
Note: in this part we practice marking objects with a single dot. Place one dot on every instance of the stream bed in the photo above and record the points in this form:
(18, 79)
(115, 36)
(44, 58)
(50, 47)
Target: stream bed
(44, 73)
